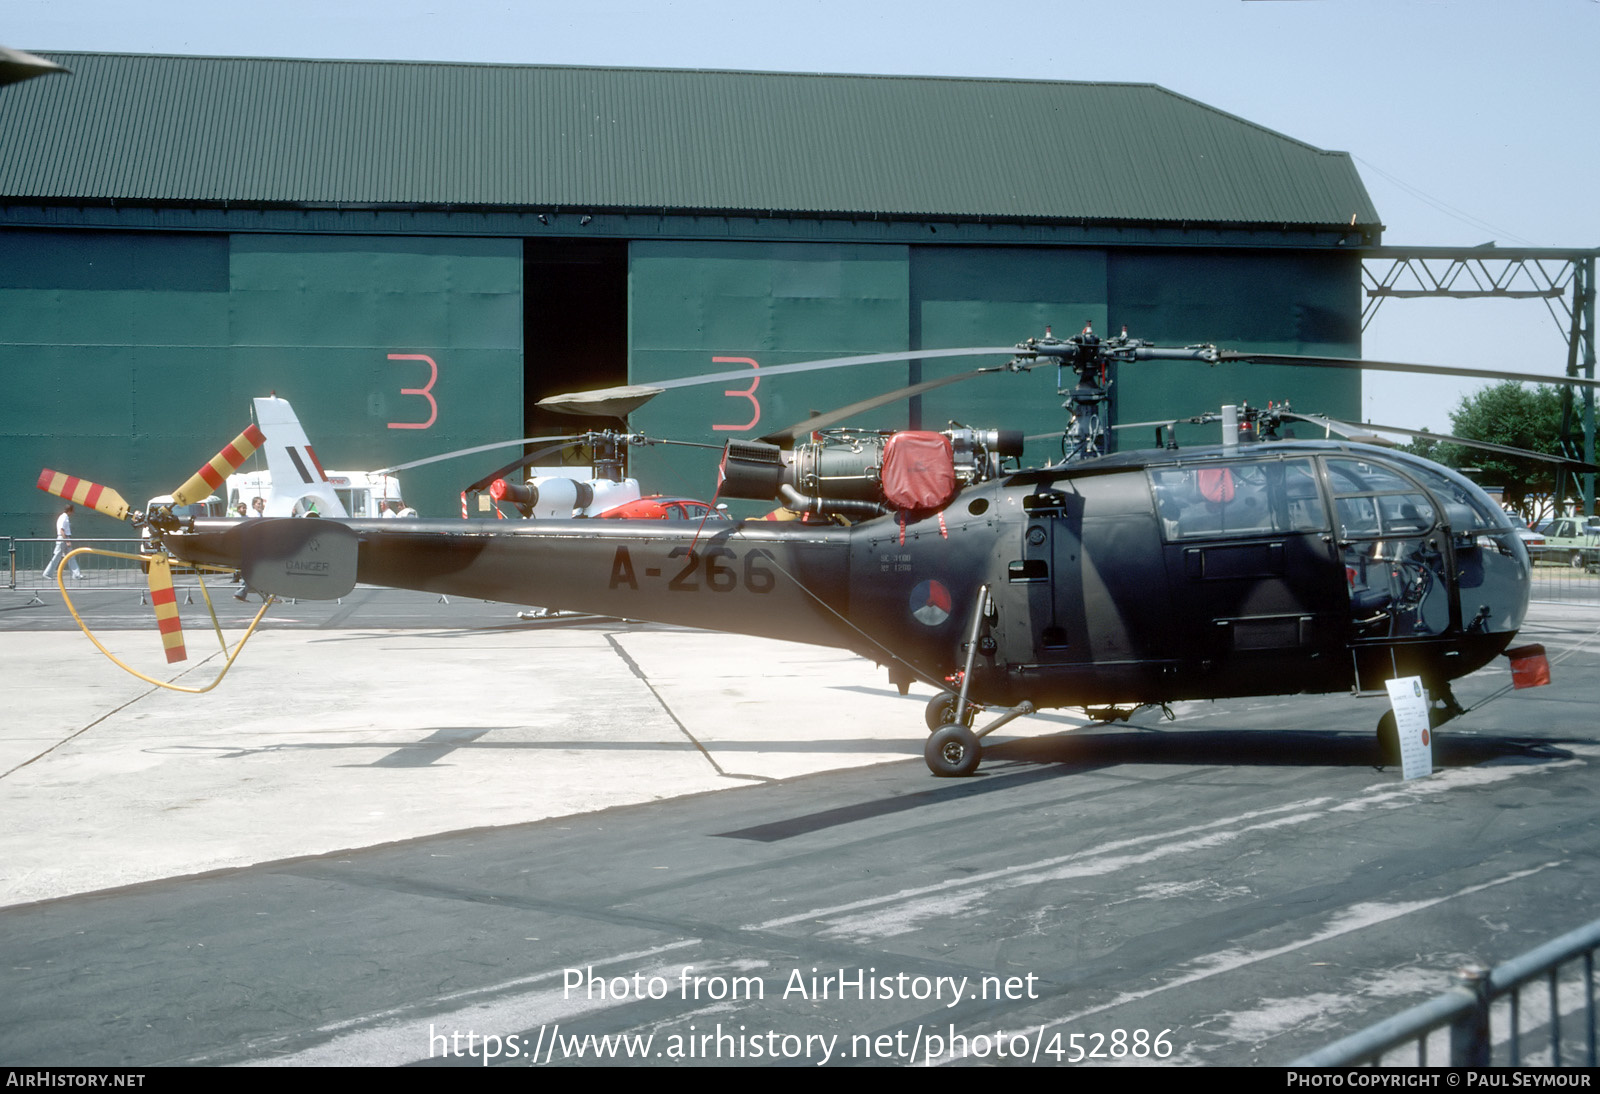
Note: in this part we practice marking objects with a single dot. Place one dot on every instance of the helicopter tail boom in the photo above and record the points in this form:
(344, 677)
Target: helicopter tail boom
(744, 579)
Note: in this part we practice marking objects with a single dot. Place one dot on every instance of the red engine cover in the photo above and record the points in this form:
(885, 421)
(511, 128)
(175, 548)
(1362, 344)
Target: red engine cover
(919, 471)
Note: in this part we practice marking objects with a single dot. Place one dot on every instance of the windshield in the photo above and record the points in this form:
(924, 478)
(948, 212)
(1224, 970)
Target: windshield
(1467, 508)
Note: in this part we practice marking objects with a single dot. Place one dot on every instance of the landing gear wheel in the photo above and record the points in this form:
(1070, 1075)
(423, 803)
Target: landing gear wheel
(941, 710)
(1388, 741)
(953, 752)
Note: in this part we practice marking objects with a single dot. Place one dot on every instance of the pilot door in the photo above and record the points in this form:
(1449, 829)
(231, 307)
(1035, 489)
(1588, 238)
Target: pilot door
(1253, 568)
(1394, 553)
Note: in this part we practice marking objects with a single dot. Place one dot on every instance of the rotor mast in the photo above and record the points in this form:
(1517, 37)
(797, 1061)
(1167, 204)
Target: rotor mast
(1090, 358)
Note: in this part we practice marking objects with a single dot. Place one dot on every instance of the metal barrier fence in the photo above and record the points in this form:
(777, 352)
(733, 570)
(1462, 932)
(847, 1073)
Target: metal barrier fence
(26, 560)
(1562, 583)
(1490, 1015)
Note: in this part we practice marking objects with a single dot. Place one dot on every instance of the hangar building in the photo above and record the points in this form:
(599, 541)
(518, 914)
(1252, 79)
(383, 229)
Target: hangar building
(414, 254)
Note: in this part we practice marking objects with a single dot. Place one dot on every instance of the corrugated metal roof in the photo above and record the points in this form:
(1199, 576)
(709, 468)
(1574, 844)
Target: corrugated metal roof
(137, 128)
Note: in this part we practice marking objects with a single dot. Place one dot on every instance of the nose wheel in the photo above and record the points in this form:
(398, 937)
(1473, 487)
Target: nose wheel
(1388, 741)
(1443, 708)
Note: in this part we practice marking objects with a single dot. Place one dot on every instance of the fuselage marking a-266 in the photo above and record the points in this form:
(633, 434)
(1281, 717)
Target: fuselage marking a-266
(710, 564)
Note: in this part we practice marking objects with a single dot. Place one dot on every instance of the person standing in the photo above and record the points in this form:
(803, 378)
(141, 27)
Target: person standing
(63, 545)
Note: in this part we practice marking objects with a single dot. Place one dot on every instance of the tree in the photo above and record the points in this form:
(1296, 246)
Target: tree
(1509, 414)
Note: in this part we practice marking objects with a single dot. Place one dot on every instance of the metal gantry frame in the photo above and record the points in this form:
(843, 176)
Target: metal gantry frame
(1562, 278)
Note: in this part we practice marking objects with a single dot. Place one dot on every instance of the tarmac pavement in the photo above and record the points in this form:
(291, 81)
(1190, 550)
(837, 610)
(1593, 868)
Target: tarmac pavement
(1242, 881)
(327, 735)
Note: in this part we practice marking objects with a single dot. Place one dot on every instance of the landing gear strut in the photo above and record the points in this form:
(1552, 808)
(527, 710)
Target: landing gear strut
(953, 749)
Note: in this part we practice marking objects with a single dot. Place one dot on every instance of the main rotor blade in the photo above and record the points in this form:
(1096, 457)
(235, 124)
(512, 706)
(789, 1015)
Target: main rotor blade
(613, 402)
(823, 421)
(467, 452)
(1361, 363)
(1344, 429)
(16, 66)
(1445, 438)
(1201, 419)
(782, 370)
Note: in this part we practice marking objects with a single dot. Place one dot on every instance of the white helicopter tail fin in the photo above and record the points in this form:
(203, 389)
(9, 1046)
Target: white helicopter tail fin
(297, 476)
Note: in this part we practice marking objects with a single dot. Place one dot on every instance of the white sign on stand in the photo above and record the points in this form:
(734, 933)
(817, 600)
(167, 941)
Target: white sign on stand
(1410, 705)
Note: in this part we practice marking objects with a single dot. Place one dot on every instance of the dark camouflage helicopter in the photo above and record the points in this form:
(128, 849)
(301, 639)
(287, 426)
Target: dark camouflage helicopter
(1105, 581)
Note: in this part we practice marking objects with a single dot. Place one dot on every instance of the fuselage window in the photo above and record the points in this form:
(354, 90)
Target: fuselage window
(1239, 499)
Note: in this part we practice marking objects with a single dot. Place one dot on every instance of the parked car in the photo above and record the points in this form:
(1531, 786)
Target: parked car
(657, 507)
(1573, 540)
(1531, 540)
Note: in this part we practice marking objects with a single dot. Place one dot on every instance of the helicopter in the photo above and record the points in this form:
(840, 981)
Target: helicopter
(1105, 581)
(607, 493)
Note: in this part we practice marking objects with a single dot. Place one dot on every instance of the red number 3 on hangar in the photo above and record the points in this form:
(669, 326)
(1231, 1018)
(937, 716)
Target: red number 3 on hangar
(742, 393)
(426, 390)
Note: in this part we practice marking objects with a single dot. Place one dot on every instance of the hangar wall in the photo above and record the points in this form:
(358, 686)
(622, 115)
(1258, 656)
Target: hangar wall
(132, 357)
(693, 303)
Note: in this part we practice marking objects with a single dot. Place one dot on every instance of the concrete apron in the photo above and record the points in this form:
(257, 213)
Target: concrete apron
(328, 740)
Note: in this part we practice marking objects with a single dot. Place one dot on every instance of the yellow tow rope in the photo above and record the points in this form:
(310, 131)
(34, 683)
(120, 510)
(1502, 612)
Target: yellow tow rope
(216, 624)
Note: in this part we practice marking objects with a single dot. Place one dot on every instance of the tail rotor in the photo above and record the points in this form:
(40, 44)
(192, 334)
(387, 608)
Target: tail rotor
(161, 519)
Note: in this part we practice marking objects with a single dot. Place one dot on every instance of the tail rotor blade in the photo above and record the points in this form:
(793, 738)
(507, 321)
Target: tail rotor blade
(165, 601)
(102, 499)
(212, 475)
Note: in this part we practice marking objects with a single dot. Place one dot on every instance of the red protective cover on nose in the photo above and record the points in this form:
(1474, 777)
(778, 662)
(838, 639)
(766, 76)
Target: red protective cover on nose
(1530, 668)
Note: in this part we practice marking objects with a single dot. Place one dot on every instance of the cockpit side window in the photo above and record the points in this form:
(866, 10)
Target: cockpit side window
(1302, 497)
(1374, 500)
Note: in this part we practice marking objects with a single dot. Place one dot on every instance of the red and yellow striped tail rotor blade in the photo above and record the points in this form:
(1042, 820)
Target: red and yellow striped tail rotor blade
(102, 499)
(224, 463)
(165, 601)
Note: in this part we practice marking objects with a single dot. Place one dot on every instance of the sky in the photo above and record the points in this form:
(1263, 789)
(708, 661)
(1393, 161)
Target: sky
(1470, 121)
